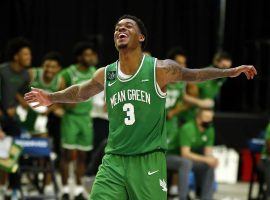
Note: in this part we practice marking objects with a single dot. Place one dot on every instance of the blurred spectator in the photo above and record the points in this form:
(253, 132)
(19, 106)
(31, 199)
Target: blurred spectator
(76, 125)
(209, 90)
(100, 119)
(265, 162)
(179, 55)
(45, 78)
(192, 150)
(175, 106)
(187, 110)
(14, 81)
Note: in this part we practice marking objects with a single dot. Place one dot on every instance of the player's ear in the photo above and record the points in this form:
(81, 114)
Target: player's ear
(141, 38)
(15, 57)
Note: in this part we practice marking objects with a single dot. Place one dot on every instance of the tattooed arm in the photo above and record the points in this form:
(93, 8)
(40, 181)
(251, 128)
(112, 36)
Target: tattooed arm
(72, 94)
(169, 71)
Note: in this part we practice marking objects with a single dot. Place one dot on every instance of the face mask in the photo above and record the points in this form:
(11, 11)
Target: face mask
(206, 125)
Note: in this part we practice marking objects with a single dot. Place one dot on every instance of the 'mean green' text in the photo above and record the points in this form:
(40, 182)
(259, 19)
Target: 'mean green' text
(130, 95)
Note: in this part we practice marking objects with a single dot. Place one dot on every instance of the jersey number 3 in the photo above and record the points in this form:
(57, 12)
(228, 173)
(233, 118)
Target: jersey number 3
(129, 109)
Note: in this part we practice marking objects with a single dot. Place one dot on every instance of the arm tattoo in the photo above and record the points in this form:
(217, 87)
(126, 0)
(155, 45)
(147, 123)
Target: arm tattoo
(77, 93)
(175, 72)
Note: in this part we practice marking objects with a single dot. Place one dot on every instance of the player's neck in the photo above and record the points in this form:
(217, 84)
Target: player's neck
(47, 80)
(16, 67)
(130, 60)
(82, 67)
(199, 122)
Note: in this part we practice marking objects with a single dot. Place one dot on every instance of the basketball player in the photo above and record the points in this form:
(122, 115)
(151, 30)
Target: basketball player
(134, 165)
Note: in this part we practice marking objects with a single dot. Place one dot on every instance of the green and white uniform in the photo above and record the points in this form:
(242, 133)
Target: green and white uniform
(35, 122)
(76, 125)
(174, 95)
(190, 136)
(210, 89)
(134, 166)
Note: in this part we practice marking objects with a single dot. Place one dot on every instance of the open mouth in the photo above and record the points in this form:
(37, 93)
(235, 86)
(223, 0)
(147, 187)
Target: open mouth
(122, 36)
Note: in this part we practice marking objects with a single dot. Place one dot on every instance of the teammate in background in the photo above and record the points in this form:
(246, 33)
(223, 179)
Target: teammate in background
(14, 81)
(192, 150)
(76, 127)
(46, 78)
(174, 106)
(134, 165)
(209, 90)
(178, 55)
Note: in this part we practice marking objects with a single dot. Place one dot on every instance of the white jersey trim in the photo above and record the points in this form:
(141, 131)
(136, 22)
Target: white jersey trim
(79, 147)
(157, 88)
(133, 76)
(105, 82)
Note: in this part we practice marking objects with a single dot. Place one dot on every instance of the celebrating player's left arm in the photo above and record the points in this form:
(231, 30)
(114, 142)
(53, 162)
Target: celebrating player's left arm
(73, 94)
(170, 71)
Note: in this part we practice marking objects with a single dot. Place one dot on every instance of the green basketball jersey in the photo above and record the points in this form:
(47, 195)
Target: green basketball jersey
(73, 76)
(175, 93)
(210, 89)
(136, 109)
(38, 81)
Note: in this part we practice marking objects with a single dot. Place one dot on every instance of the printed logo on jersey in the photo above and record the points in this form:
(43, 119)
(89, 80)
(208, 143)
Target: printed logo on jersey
(172, 96)
(151, 173)
(145, 80)
(111, 75)
(163, 185)
(111, 83)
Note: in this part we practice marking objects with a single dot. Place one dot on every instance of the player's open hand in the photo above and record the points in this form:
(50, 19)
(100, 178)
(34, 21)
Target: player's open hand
(248, 70)
(37, 97)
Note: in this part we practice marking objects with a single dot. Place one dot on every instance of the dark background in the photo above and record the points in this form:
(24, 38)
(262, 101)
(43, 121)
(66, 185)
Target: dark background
(193, 24)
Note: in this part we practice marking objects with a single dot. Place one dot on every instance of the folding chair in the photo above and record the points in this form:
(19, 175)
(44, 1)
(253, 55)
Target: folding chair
(36, 159)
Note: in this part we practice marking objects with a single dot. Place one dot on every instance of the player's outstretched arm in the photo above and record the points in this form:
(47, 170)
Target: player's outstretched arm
(170, 71)
(73, 94)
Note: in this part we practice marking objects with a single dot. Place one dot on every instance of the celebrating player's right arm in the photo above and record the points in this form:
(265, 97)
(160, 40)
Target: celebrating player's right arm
(168, 71)
(73, 94)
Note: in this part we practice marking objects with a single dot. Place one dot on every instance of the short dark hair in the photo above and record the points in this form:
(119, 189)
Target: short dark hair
(175, 51)
(140, 25)
(80, 47)
(15, 45)
(221, 56)
(53, 55)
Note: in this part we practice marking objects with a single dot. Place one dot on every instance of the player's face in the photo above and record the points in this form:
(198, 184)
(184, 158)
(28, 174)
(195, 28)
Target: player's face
(206, 116)
(24, 57)
(51, 68)
(181, 60)
(224, 64)
(127, 34)
(88, 58)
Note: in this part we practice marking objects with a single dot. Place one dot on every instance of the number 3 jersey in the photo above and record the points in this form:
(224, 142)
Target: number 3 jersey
(136, 108)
